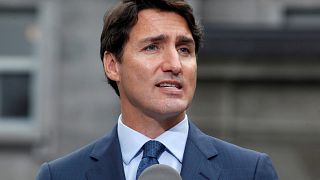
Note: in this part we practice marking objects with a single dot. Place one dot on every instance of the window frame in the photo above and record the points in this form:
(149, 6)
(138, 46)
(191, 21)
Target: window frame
(42, 67)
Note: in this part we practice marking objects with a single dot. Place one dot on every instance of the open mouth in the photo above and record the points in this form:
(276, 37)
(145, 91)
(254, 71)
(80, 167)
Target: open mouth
(169, 84)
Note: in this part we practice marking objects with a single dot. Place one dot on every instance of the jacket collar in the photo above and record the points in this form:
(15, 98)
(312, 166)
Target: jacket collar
(199, 155)
(198, 160)
(108, 160)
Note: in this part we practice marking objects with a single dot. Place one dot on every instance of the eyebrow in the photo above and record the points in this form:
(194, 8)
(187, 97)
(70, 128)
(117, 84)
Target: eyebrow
(158, 38)
(185, 40)
(180, 39)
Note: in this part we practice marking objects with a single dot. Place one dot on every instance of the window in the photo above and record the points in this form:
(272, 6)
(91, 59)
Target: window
(303, 17)
(19, 35)
(15, 95)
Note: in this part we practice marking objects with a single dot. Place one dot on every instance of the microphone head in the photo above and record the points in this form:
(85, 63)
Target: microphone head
(159, 172)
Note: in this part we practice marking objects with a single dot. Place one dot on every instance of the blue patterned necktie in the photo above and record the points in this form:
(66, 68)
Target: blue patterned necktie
(151, 152)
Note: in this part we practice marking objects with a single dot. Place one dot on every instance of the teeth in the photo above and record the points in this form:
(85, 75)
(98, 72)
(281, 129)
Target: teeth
(167, 85)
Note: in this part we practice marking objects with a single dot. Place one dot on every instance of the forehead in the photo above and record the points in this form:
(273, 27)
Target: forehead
(152, 22)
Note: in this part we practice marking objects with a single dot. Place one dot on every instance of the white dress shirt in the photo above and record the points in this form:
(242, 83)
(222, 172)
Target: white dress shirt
(131, 142)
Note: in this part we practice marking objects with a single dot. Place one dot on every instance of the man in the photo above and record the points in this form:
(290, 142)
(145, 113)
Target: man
(148, 50)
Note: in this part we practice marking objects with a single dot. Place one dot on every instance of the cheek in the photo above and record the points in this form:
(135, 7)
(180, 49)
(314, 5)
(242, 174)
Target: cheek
(135, 73)
(191, 71)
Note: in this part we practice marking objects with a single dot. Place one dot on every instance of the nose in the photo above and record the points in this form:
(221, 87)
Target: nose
(171, 62)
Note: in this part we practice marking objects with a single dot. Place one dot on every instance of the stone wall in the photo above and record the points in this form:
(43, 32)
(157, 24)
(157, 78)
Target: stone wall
(254, 91)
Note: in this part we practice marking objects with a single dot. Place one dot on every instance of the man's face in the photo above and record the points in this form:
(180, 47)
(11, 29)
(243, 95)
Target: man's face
(157, 75)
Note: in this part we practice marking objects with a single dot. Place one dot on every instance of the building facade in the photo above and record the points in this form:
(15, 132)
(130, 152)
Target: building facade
(258, 80)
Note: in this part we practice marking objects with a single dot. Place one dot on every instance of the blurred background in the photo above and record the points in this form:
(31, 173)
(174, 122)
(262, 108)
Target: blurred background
(258, 80)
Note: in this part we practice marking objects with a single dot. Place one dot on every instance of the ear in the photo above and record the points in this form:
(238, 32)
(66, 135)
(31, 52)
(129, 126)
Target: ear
(111, 66)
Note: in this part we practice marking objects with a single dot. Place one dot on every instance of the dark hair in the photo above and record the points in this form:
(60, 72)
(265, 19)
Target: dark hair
(119, 21)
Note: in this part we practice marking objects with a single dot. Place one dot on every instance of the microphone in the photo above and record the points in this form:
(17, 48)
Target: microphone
(159, 172)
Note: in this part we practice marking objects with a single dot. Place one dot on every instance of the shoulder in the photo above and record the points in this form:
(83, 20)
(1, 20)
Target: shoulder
(220, 149)
(68, 165)
(74, 164)
(238, 161)
(233, 160)
(234, 155)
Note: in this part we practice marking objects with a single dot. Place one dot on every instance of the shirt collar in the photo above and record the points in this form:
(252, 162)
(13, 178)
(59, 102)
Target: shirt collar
(173, 139)
(130, 140)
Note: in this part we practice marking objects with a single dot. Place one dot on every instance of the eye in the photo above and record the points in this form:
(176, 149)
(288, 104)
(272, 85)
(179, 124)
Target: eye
(184, 51)
(151, 47)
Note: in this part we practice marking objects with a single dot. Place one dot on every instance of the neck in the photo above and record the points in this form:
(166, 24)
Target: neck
(150, 126)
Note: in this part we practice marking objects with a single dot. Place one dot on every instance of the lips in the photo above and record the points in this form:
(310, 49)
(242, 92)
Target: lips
(169, 84)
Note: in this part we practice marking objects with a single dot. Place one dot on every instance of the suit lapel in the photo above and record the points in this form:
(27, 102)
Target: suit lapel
(198, 161)
(108, 159)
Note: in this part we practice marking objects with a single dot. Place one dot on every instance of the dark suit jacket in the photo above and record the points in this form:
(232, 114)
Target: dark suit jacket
(205, 157)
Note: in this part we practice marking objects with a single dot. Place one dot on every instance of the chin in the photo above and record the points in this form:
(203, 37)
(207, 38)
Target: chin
(170, 116)
(174, 109)
(167, 108)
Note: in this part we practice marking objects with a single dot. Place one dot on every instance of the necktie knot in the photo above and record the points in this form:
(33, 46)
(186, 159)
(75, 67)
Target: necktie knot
(151, 152)
(153, 149)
